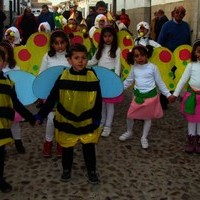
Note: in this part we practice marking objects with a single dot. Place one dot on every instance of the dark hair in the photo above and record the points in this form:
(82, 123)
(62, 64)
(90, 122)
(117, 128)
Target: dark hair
(76, 48)
(114, 44)
(54, 35)
(195, 45)
(45, 6)
(100, 4)
(11, 60)
(148, 50)
(2, 55)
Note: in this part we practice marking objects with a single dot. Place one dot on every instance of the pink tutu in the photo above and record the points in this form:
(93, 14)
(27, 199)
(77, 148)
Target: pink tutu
(18, 117)
(191, 117)
(117, 99)
(150, 109)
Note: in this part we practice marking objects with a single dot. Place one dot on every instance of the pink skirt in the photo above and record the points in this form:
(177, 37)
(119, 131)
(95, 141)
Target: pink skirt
(150, 109)
(191, 117)
(117, 99)
(18, 117)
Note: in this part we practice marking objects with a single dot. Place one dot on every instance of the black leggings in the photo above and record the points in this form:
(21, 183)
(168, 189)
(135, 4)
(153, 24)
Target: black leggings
(2, 159)
(88, 153)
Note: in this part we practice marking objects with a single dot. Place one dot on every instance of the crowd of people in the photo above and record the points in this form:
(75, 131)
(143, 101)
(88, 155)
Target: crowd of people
(75, 109)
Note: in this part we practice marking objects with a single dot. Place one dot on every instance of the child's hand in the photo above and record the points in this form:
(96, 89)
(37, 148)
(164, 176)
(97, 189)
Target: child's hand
(172, 98)
(38, 119)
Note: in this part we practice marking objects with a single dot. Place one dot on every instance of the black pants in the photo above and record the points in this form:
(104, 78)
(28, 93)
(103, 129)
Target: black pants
(2, 159)
(88, 153)
(164, 101)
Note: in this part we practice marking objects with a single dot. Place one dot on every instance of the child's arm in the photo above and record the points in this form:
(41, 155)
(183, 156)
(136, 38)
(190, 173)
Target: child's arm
(44, 63)
(93, 61)
(19, 107)
(117, 62)
(49, 104)
(129, 80)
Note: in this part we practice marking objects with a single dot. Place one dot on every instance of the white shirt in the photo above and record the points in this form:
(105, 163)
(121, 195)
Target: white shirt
(57, 60)
(146, 41)
(191, 73)
(145, 78)
(6, 68)
(106, 61)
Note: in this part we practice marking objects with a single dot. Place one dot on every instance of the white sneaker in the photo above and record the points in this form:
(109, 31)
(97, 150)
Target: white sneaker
(106, 131)
(126, 136)
(144, 143)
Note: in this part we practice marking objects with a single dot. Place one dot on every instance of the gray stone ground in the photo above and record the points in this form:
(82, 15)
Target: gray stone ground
(127, 172)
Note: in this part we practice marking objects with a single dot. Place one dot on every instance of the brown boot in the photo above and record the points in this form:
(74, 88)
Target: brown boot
(198, 144)
(47, 149)
(191, 144)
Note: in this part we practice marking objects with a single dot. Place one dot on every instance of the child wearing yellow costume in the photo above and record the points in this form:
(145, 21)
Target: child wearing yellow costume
(78, 112)
(8, 104)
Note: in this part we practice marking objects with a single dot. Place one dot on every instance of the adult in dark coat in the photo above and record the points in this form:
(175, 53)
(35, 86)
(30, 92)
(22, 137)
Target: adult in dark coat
(47, 16)
(2, 19)
(27, 24)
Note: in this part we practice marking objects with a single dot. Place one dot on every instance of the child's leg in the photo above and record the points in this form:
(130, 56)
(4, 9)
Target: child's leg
(16, 133)
(146, 128)
(4, 186)
(103, 114)
(110, 109)
(67, 161)
(90, 161)
(198, 139)
(49, 134)
(190, 145)
(129, 133)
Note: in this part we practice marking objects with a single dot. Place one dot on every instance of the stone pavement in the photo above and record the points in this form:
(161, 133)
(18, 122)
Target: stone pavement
(127, 172)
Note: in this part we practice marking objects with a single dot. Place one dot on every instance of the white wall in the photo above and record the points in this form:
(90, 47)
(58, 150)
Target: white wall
(157, 2)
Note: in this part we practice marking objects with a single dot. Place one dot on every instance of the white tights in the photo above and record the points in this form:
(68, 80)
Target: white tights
(193, 128)
(16, 131)
(50, 127)
(146, 126)
(107, 114)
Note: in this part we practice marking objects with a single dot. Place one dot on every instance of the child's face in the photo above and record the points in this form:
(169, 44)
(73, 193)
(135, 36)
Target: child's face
(101, 10)
(10, 36)
(197, 53)
(2, 63)
(78, 61)
(6, 53)
(139, 57)
(143, 31)
(108, 38)
(59, 44)
(101, 23)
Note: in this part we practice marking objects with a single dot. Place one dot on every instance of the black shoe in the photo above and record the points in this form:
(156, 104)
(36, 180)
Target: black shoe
(19, 146)
(4, 186)
(66, 175)
(93, 177)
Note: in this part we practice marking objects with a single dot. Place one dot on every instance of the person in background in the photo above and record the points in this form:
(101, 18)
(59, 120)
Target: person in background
(152, 26)
(27, 24)
(124, 18)
(145, 104)
(100, 8)
(77, 96)
(46, 16)
(90, 17)
(2, 19)
(190, 105)
(143, 30)
(162, 18)
(108, 56)
(44, 27)
(73, 11)
(12, 36)
(9, 104)
(174, 33)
